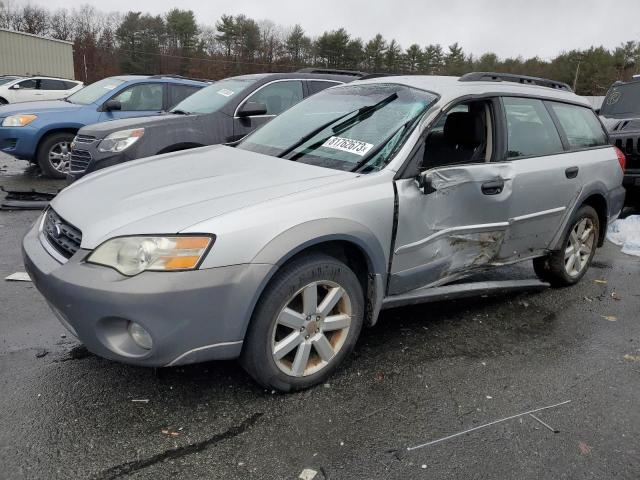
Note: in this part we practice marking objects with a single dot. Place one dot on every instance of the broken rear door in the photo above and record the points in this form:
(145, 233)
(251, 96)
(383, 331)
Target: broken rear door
(456, 223)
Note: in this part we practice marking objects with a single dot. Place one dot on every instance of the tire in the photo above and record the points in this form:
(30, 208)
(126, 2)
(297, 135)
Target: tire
(557, 268)
(3, 101)
(325, 346)
(57, 145)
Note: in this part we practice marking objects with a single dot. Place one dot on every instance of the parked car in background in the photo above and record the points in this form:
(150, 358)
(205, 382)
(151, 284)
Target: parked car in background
(221, 113)
(364, 196)
(29, 89)
(620, 113)
(42, 132)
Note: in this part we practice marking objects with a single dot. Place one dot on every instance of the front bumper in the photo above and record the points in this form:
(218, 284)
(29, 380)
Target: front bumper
(192, 316)
(19, 142)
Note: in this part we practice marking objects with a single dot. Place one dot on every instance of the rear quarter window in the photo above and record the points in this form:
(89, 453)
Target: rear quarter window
(580, 125)
(530, 128)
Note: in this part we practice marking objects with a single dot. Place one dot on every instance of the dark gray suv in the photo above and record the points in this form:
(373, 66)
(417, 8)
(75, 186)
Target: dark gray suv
(222, 113)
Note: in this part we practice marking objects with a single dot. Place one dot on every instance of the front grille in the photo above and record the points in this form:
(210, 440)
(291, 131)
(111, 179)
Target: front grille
(61, 235)
(79, 160)
(630, 146)
(84, 139)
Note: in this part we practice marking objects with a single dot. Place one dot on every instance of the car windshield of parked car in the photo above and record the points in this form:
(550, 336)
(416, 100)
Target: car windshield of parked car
(214, 97)
(351, 127)
(95, 91)
(5, 80)
(622, 100)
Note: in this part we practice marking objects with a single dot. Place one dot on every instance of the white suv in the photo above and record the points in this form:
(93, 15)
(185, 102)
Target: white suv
(15, 89)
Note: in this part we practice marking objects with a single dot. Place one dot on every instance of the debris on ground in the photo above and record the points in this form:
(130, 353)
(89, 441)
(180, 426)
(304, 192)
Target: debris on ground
(140, 400)
(170, 432)
(26, 199)
(41, 353)
(632, 358)
(543, 423)
(625, 232)
(611, 318)
(615, 296)
(308, 474)
(603, 282)
(18, 277)
(584, 448)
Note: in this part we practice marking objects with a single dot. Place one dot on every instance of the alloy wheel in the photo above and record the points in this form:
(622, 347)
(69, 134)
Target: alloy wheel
(581, 243)
(60, 156)
(311, 328)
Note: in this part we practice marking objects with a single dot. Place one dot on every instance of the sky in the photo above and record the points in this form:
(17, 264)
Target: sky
(506, 27)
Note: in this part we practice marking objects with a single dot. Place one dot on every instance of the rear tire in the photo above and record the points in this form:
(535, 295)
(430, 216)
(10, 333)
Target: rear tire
(306, 322)
(3, 101)
(568, 265)
(54, 154)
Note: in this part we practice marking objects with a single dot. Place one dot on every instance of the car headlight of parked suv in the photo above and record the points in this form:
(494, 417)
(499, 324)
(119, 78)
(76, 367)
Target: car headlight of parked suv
(18, 120)
(120, 141)
(133, 255)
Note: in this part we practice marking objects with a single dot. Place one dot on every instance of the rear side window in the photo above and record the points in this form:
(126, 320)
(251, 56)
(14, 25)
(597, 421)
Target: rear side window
(141, 97)
(580, 125)
(30, 84)
(177, 93)
(530, 129)
(278, 96)
(316, 86)
(46, 84)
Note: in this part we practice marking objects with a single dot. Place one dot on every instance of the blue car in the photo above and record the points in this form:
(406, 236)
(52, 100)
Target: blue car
(42, 132)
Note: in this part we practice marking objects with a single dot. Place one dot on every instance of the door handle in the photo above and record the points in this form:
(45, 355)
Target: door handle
(571, 172)
(493, 187)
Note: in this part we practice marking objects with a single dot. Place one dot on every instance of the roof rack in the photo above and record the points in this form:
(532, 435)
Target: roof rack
(332, 71)
(375, 75)
(171, 75)
(511, 77)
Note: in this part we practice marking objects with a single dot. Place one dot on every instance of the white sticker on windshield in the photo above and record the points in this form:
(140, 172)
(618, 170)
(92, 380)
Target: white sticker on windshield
(225, 92)
(348, 145)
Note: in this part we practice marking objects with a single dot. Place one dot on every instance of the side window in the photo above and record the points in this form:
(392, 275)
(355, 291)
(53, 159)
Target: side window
(582, 128)
(46, 84)
(530, 129)
(316, 86)
(141, 97)
(30, 84)
(463, 135)
(278, 96)
(177, 93)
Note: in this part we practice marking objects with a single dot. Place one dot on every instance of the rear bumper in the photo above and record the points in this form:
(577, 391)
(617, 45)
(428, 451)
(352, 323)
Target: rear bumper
(616, 202)
(191, 316)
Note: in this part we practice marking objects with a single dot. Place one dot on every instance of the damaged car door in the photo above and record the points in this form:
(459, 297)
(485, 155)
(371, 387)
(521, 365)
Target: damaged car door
(454, 217)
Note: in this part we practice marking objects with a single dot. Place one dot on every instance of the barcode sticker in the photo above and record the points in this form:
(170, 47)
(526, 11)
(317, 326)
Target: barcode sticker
(348, 145)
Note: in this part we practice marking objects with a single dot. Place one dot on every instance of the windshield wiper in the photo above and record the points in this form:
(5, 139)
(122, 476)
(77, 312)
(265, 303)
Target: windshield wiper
(367, 110)
(180, 112)
(372, 153)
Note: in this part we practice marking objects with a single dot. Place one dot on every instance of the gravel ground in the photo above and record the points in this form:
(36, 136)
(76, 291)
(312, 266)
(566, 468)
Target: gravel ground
(421, 374)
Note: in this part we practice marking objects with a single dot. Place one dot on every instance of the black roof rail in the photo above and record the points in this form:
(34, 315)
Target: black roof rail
(332, 71)
(511, 77)
(171, 75)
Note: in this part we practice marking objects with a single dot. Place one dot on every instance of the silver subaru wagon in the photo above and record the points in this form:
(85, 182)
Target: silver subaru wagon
(365, 196)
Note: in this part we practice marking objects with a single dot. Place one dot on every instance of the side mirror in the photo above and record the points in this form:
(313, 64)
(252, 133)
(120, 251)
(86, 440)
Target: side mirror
(15, 87)
(251, 109)
(425, 183)
(112, 105)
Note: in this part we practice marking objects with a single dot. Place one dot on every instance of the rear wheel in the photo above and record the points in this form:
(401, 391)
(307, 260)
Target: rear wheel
(3, 101)
(307, 321)
(54, 154)
(569, 264)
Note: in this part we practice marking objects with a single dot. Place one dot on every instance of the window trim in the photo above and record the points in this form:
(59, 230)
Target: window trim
(245, 99)
(131, 85)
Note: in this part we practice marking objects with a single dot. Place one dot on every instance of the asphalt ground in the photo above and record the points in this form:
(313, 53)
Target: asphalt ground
(423, 373)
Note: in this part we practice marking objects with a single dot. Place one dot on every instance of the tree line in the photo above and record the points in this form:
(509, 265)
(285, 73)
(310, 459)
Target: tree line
(135, 42)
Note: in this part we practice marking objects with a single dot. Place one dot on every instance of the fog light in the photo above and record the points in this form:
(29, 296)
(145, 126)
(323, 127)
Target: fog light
(140, 335)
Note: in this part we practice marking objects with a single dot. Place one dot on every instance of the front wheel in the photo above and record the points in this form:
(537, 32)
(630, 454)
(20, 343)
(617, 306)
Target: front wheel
(307, 321)
(54, 154)
(3, 101)
(569, 264)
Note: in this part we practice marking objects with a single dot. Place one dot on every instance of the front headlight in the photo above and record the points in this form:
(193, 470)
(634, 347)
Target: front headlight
(133, 255)
(18, 120)
(120, 141)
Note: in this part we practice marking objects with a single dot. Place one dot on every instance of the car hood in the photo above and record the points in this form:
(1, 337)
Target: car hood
(49, 106)
(101, 130)
(624, 125)
(168, 193)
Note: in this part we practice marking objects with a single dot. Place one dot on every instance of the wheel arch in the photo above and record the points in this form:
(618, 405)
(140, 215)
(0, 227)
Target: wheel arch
(599, 203)
(53, 131)
(355, 245)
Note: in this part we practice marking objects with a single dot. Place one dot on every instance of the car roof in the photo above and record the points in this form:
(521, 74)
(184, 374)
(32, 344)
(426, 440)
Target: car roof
(161, 78)
(298, 76)
(451, 88)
